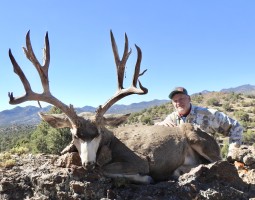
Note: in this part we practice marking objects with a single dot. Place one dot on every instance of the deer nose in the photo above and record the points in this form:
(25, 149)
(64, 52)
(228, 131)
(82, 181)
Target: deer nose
(89, 165)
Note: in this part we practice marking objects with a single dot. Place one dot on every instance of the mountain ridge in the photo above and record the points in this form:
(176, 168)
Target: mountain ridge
(28, 115)
(245, 89)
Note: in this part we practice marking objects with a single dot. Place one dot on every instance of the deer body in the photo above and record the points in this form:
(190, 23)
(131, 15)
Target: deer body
(139, 153)
(160, 152)
(142, 154)
(161, 149)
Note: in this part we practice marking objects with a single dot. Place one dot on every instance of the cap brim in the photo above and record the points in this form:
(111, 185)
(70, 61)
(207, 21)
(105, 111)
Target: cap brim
(174, 93)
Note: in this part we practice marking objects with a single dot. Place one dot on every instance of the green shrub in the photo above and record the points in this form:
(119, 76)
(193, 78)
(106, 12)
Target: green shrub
(224, 151)
(5, 156)
(8, 163)
(147, 120)
(213, 102)
(197, 98)
(46, 139)
(242, 115)
(19, 150)
(6, 160)
(227, 107)
(249, 136)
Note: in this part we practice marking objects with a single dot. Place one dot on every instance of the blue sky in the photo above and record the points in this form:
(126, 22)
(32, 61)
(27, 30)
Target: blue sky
(198, 44)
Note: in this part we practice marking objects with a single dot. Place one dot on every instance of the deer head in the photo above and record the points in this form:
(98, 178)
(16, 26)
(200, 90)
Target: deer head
(87, 133)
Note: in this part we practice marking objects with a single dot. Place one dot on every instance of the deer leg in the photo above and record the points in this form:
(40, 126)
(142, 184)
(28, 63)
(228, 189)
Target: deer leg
(182, 170)
(128, 171)
(68, 149)
(204, 144)
(211, 155)
(191, 160)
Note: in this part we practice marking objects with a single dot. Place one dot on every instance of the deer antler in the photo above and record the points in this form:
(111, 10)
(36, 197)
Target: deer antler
(46, 96)
(120, 66)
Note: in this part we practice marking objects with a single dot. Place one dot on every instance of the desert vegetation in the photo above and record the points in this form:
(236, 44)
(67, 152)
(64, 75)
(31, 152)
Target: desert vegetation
(37, 139)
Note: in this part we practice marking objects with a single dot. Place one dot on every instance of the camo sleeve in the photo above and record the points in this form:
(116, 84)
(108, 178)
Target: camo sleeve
(171, 118)
(228, 127)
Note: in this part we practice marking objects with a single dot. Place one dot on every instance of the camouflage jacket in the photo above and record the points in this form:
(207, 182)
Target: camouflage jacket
(211, 121)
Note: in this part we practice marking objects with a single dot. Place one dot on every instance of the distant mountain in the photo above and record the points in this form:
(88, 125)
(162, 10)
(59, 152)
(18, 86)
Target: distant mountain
(135, 107)
(21, 115)
(29, 114)
(244, 89)
(202, 92)
(85, 109)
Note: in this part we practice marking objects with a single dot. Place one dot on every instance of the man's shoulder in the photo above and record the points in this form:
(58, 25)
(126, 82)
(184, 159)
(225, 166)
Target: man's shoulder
(195, 108)
(203, 110)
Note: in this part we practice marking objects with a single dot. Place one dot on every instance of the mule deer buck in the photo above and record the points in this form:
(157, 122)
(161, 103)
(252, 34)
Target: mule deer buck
(142, 154)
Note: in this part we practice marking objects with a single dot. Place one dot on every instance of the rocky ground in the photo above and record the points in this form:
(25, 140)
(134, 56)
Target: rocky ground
(40, 177)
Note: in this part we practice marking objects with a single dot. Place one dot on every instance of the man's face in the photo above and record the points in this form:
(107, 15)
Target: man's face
(181, 103)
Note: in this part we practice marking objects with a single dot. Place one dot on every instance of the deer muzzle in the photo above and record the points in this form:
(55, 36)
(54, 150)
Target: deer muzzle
(88, 166)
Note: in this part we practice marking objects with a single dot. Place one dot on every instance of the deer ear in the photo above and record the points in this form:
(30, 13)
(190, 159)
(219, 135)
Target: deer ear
(116, 120)
(56, 120)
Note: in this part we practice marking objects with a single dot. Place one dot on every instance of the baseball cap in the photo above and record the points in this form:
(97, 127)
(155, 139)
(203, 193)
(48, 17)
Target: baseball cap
(178, 90)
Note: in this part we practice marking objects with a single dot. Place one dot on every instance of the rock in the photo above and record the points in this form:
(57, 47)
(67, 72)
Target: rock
(243, 154)
(214, 180)
(41, 177)
(249, 160)
(68, 159)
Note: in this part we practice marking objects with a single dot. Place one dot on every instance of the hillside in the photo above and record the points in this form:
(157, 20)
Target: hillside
(233, 104)
(29, 115)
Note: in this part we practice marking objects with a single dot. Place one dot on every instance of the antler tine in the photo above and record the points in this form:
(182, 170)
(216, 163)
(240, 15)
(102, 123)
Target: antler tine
(42, 70)
(46, 52)
(120, 66)
(19, 72)
(46, 96)
(137, 71)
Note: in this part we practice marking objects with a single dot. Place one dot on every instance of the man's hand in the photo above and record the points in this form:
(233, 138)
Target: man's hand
(164, 123)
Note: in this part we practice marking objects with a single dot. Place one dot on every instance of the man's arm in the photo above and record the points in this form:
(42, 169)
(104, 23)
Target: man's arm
(168, 121)
(234, 130)
(229, 127)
